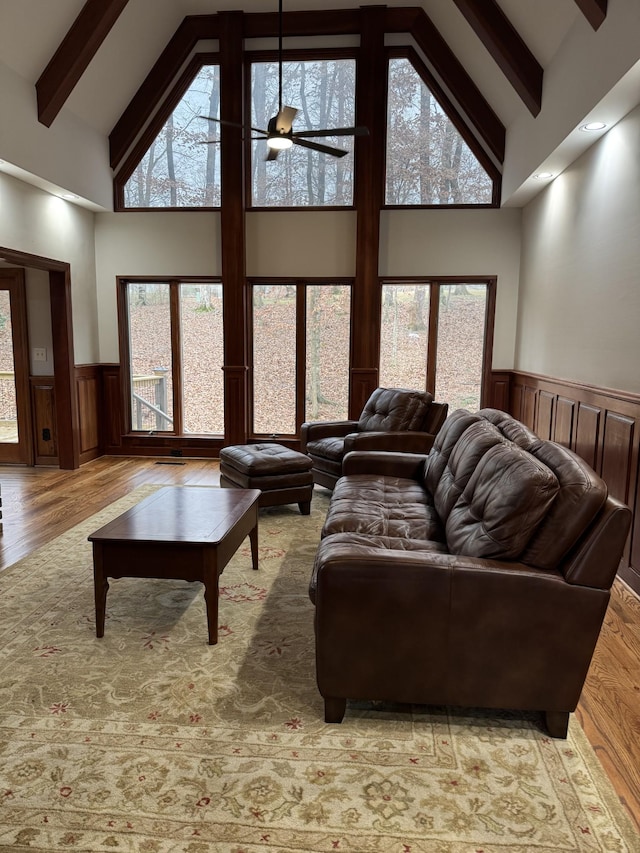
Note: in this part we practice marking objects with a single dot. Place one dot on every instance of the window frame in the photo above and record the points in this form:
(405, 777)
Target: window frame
(435, 282)
(174, 282)
(494, 174)
(300, 283)
(151, 131)
(311, 55)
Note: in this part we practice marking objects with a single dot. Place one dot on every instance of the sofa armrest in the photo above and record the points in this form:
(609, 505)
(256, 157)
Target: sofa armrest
(402, 441)
(437, 628)
(409, 466)
(315, 430)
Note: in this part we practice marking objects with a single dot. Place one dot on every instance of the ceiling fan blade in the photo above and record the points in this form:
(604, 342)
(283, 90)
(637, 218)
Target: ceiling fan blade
(284, 119)
(234, 124)
(334, 131)
(324, 149)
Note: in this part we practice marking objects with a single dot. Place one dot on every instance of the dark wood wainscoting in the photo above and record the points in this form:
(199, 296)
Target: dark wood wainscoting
(600, 425)
(43, 412)
(88, 384)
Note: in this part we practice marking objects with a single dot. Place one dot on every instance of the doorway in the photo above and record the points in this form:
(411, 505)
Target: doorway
(67, 425)
(16, 435)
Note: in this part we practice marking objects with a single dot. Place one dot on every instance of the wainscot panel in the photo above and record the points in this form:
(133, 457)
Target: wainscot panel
(43, 408)
(600, 425)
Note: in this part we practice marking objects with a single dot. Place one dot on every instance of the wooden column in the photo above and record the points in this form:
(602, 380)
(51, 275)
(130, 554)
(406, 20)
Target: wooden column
(232, 217)
(371, 98)
(68, 426)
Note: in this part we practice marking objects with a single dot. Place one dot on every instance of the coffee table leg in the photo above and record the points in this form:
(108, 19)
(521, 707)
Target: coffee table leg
(210, 580)
(100, 585)
(253, 536)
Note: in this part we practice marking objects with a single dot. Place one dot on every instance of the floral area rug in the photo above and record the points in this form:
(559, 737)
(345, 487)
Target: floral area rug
(151, 741)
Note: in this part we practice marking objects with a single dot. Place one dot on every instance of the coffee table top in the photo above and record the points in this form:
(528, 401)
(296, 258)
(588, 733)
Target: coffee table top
(195, 515)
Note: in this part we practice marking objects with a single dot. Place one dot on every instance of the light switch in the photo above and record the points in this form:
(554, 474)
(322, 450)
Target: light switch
(39, 353)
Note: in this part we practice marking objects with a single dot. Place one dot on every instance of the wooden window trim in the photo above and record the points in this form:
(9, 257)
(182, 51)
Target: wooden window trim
(154, 127)
(413, 21)
(459, 123)
(310, 55)
(301, 285)
(491, 283)
(124, 345)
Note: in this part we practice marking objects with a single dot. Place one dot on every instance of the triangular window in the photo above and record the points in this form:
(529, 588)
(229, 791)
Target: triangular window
(179, 169)
(429, 163)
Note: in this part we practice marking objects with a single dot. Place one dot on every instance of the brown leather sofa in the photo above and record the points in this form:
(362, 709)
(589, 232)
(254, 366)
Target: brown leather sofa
(393, 419)
(478, 576)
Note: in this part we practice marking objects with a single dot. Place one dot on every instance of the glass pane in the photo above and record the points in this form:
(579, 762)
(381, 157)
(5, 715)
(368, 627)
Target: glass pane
(8, 410)
(428, 161)
(274, 359)
(327, 371)
(151, 362)
(404, 336)
(323, 92)
(202, 358)
(179, 170)
(461, 328)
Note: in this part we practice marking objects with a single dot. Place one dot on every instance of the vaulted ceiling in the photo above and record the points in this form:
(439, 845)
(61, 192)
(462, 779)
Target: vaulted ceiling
(74, 72)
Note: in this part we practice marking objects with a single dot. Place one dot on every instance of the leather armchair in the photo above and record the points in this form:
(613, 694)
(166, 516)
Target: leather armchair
(393, 419)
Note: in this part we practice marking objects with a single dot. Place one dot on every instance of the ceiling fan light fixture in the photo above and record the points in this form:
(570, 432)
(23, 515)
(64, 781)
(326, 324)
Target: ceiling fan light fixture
(279, 142)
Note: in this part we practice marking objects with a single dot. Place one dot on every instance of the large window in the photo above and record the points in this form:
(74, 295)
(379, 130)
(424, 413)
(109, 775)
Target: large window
(174, 348)
(181, 168)
(437, 336)
(428, 161)
(323, 93)
(301, 342)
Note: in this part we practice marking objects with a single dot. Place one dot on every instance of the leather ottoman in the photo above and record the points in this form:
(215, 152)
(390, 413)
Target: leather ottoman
(282, 475)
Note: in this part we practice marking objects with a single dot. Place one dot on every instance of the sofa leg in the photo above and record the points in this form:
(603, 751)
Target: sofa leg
(557, 723)
(305, 507)
(334, 709)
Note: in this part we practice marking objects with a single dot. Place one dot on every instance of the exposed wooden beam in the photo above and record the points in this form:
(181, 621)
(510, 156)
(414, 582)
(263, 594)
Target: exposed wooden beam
(74, 54)
(595, 11)
(512, 55)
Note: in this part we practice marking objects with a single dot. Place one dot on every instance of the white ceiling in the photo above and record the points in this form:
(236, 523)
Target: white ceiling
(31, 30)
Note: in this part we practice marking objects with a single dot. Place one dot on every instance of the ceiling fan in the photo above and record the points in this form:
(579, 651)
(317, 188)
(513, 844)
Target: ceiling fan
(280, 135)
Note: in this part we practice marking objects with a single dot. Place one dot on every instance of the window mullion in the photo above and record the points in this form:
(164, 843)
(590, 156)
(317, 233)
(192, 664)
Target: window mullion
(176, 353)
(432, 345)
(301, 352)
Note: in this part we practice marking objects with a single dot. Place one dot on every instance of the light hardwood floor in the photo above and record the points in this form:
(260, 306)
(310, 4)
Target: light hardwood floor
(41, 503)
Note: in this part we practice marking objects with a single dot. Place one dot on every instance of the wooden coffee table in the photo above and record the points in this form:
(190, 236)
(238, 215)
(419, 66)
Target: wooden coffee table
(182, 533)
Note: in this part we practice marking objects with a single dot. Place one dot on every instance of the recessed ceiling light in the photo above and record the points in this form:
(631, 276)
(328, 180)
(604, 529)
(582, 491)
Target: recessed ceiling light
(543, 176)
(594, 125)
(70, 196)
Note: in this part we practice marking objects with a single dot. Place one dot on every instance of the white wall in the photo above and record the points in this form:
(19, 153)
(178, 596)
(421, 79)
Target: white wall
(459, 243)
(39, 321)
(38, 223)
(579, 314)
(147, 244)
(316, 243)
(69, 154)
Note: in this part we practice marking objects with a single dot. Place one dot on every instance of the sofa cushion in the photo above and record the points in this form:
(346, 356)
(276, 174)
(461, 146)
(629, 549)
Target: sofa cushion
(380, 505)
(469, 450)
(580, 497)
(392, 409)
(510, 428)
(367, 548)
(445, 441)
(505, 500)
(327, 448)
